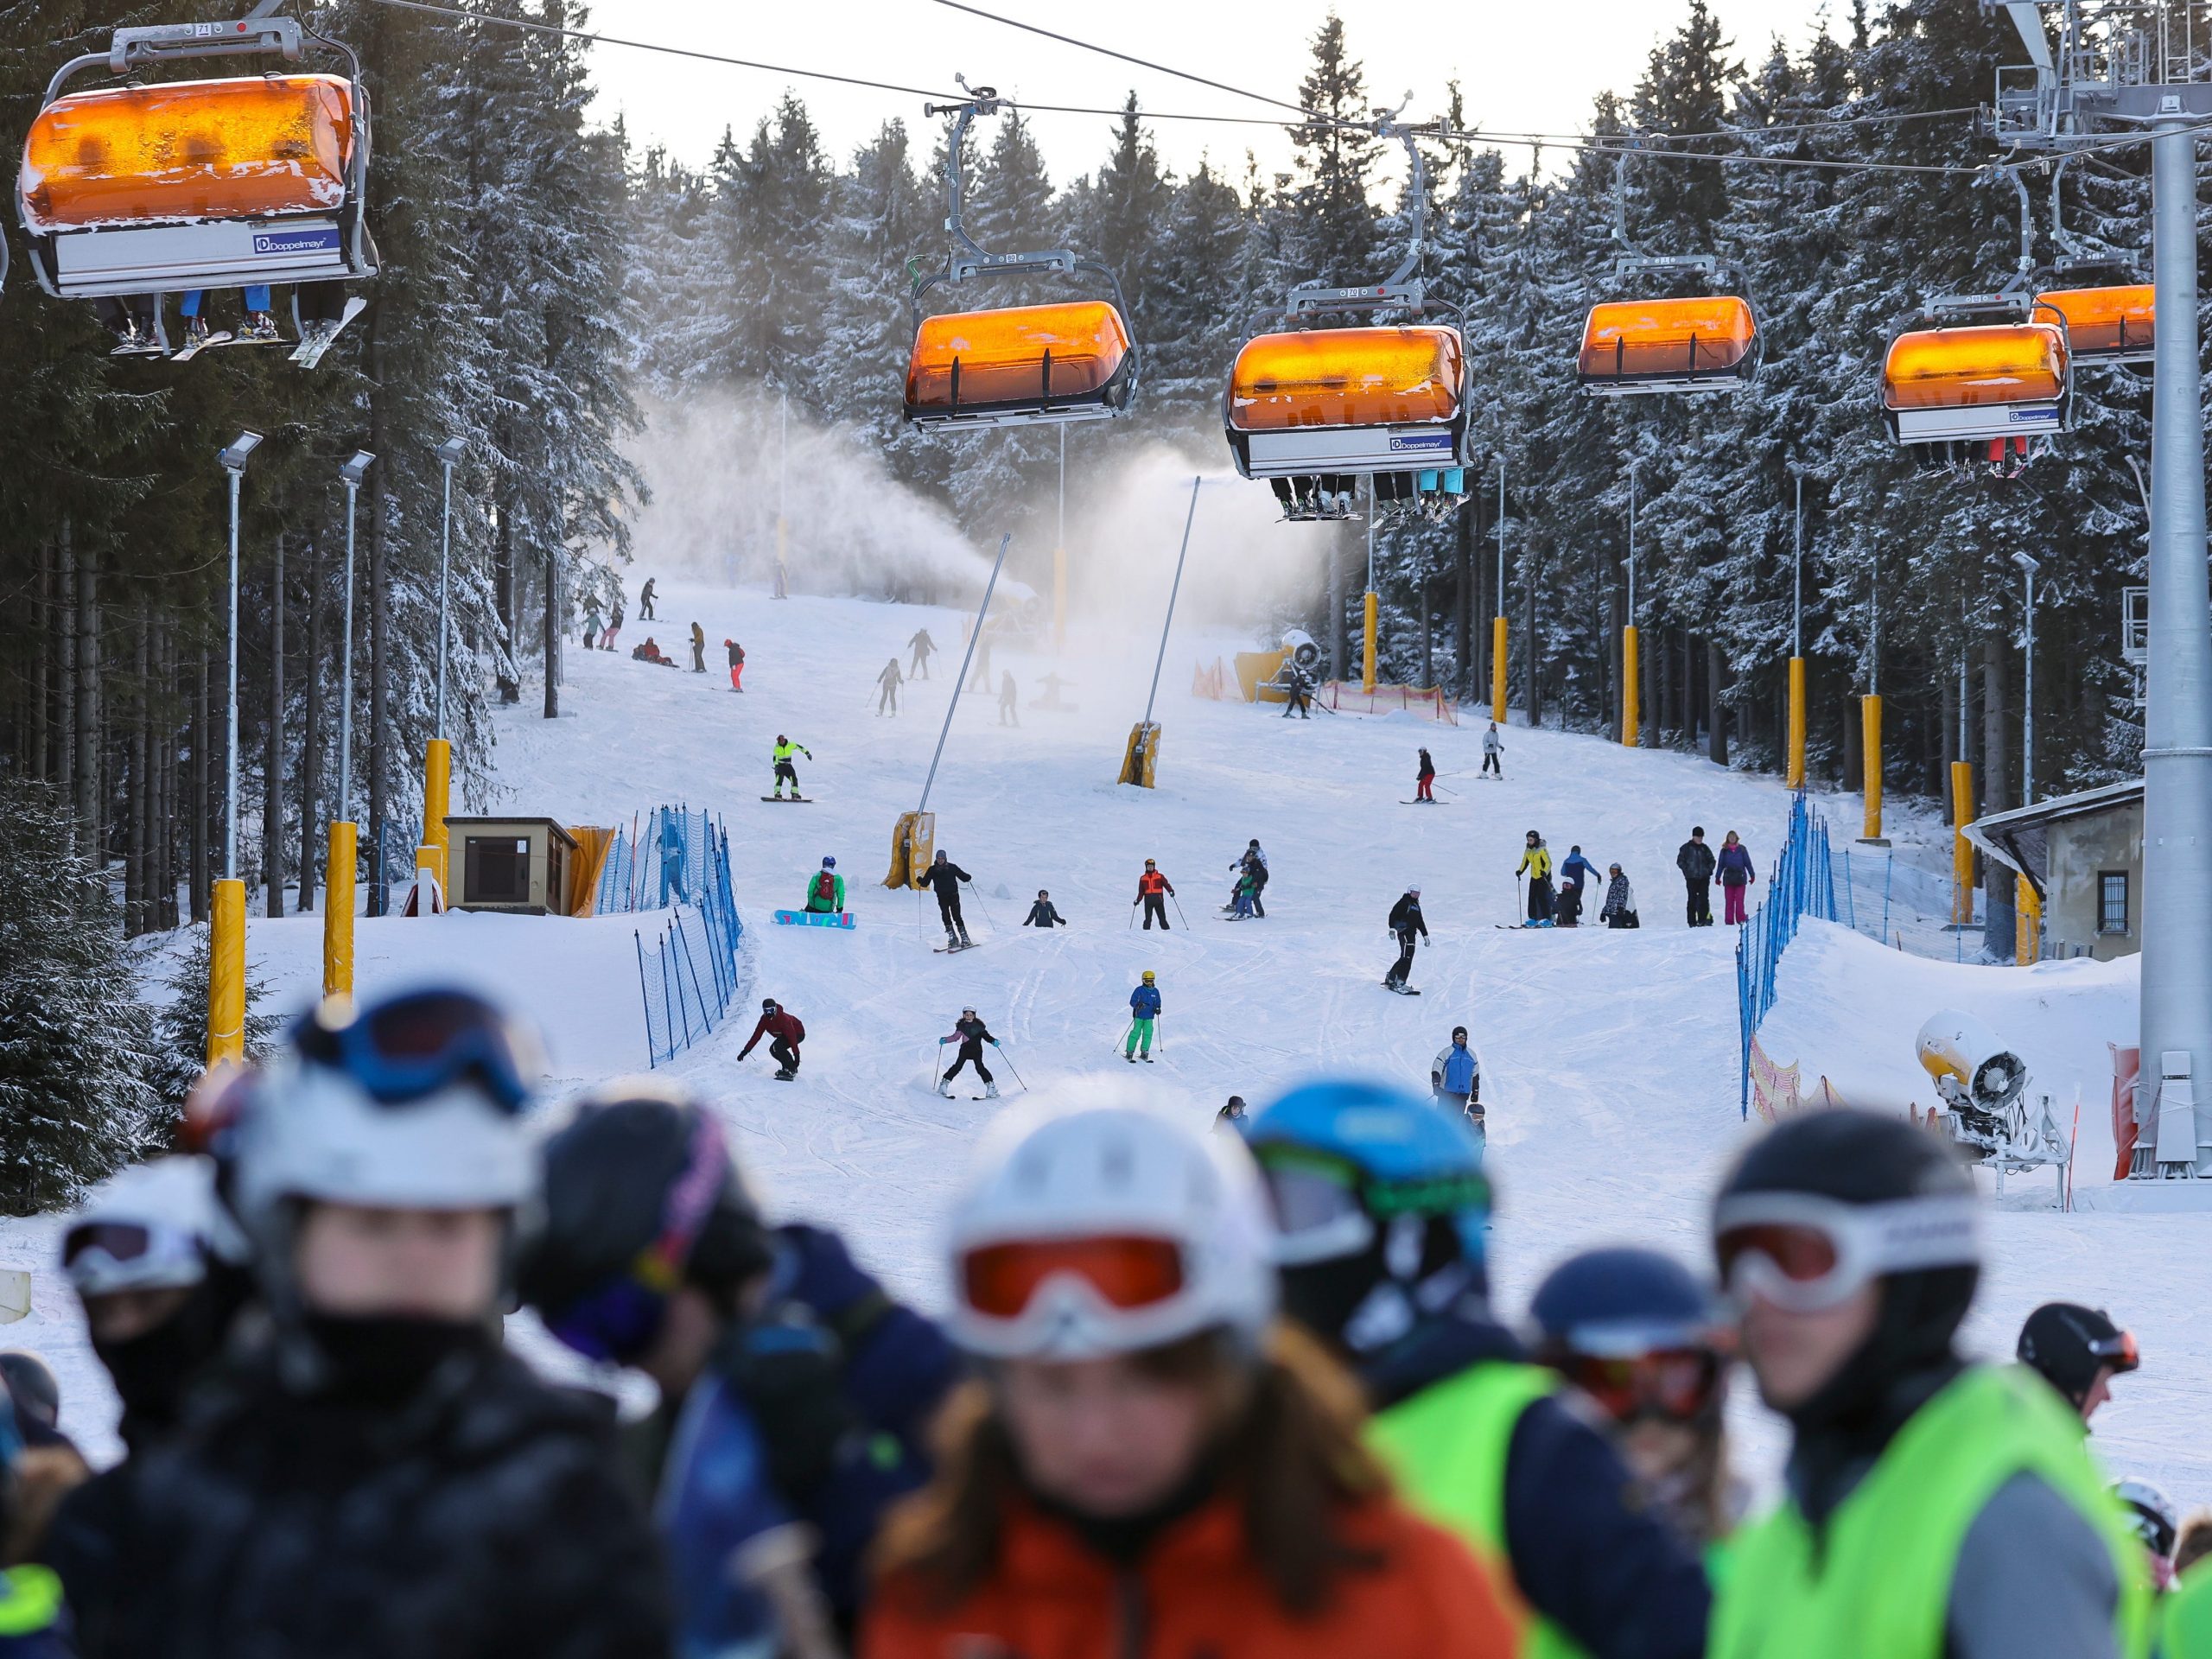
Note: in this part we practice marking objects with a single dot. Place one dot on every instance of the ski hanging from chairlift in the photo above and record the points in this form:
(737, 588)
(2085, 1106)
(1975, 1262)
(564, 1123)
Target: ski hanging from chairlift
(134, 191)
(1700, 342)
(1014, 366)
(1313, 409)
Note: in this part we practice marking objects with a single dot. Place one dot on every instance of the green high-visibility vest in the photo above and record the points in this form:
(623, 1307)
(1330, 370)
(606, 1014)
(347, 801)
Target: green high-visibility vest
(1876, 1583)
(2187, 1632)
(1447, 1446)
(30, 1600)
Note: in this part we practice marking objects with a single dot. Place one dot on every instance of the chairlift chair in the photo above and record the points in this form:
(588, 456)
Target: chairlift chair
(132, 192)
(2110, 322)
(1014, 366)
(1981, 375)
(1703, 341)
(1312, 410)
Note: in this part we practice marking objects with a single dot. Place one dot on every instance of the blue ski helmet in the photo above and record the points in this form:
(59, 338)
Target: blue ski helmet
(1620, 1303)
(1342, 1157)
(829, 863)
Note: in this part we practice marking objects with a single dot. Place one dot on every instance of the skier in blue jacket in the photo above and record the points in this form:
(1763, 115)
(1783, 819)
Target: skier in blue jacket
(1144, 1009)
(1572, 874)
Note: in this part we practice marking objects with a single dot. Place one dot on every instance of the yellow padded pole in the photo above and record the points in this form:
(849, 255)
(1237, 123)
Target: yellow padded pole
(1796, 778)
(1367, 653)
(1631, 689)
(227, 973)
(338, 911)
(1870, 729)
(2027, 913)
(437, 795)
(1499, 631)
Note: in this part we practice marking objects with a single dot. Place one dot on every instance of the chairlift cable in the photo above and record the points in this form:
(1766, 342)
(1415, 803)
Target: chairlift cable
(1107, 51)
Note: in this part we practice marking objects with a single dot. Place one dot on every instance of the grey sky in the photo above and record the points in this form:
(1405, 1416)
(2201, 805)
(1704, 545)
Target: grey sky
(1524, 66)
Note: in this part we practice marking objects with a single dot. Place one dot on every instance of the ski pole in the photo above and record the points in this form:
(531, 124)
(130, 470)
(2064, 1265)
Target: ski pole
(985, 908)
(1132, 913)
(1010, 1065)
(1179, 916)
(1121, 1041)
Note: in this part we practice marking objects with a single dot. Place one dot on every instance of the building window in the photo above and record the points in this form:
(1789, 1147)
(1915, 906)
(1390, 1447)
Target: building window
(2112, 901)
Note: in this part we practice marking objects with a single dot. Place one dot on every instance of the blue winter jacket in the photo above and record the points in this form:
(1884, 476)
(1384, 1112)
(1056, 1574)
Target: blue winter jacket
(1736, 870)
(1577, 870)
(1144, 1001)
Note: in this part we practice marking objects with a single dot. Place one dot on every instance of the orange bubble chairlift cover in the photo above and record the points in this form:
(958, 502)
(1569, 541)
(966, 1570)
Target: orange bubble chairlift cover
(1631, 342)
(2104, 322)
(1029, 355)
(192, 149)
(1964, 368)
(1347, 377)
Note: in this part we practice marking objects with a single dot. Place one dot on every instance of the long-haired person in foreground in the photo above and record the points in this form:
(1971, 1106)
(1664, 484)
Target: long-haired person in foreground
(1148, 1462)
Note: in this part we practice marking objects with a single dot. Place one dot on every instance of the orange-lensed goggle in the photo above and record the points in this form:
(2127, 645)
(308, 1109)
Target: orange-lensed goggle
(1000, 1280)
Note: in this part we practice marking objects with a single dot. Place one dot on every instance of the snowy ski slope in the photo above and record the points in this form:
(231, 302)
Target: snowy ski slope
(1610, 1058)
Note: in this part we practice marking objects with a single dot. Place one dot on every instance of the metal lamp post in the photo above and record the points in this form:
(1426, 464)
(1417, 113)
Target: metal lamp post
(2029, 565)
(450, 454)
(233, 459)
(350, 473)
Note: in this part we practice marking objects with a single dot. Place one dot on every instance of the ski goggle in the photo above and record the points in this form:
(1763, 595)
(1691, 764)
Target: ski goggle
(617, 1319)
(1126, 1272)
(1807, 1253)
(1677, 1384)
(103, 1257)
(1326, 1207)
(410, 1047)
(2119, 1352)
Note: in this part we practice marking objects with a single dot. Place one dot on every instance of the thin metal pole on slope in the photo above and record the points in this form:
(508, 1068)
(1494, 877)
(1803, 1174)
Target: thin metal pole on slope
(1176, 589)
(968, 656)
(2177, 984)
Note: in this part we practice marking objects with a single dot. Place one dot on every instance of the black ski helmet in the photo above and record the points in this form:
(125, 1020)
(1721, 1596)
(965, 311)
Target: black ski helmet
(1593, 1300)
(2067, 1344)
(1856, 1157)
(768, 1005)
(641, 1195)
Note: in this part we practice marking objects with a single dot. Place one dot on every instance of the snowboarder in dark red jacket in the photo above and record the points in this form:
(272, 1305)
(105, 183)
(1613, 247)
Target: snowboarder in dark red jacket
(786, 1033)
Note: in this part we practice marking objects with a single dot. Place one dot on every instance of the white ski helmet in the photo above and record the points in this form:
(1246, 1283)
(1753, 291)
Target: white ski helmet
(2150, 1514)
(412, 1103)
(149, 1226)
(1095, 1224)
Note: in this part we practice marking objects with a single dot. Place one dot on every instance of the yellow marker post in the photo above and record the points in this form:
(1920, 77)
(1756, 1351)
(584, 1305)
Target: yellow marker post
(1797, 778)
(1631, 689)
(1367, 654)
(1870, 729)
(227, 973)
(1962, 849)
(437, 792)
(1499, 632)
(338, 911)
(2027, 913)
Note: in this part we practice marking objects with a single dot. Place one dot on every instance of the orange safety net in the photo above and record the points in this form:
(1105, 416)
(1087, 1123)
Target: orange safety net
(1638, 340)
(1964, 368)
(1347, 377)
(2104, 322)
(1211, 682)
(1429, 702)
(234, 149)
(965, 359)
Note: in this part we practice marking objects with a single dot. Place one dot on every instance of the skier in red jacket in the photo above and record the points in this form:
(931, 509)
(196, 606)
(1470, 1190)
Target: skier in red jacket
(1152, 888)
(785, 1034)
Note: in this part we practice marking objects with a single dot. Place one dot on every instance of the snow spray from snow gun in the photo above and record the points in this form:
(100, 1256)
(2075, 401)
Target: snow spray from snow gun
(915, 832)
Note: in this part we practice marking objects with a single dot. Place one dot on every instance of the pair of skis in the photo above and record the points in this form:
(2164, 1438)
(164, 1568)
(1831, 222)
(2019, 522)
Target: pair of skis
(314, 340)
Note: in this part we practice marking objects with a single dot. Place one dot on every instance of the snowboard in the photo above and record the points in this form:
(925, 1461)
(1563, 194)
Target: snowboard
(1402, 990)
(796, 800)
(814, 918)
(786, 1076)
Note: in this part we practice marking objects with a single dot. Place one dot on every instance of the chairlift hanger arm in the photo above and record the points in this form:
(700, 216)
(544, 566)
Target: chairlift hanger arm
(1404, 286)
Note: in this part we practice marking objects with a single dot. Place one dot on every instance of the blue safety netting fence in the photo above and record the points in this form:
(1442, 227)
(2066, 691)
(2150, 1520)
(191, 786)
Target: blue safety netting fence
(1803, 883)
(689, 975)
(664, 858)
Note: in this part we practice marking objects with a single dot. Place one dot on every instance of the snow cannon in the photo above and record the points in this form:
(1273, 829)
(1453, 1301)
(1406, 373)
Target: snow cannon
(1971, 1067)
(1303, 651)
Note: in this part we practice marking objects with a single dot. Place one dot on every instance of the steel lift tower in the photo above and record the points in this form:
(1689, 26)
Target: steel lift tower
(2121, 66)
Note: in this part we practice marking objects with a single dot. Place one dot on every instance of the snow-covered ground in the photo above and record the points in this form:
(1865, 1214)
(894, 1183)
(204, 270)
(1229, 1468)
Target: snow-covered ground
(1609, 1058)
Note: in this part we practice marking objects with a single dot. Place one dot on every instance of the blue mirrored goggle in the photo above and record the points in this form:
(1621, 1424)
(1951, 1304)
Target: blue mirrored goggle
(410, 1047)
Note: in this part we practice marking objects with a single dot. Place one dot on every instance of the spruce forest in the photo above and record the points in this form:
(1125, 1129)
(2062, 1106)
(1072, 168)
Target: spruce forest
(544, 283)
